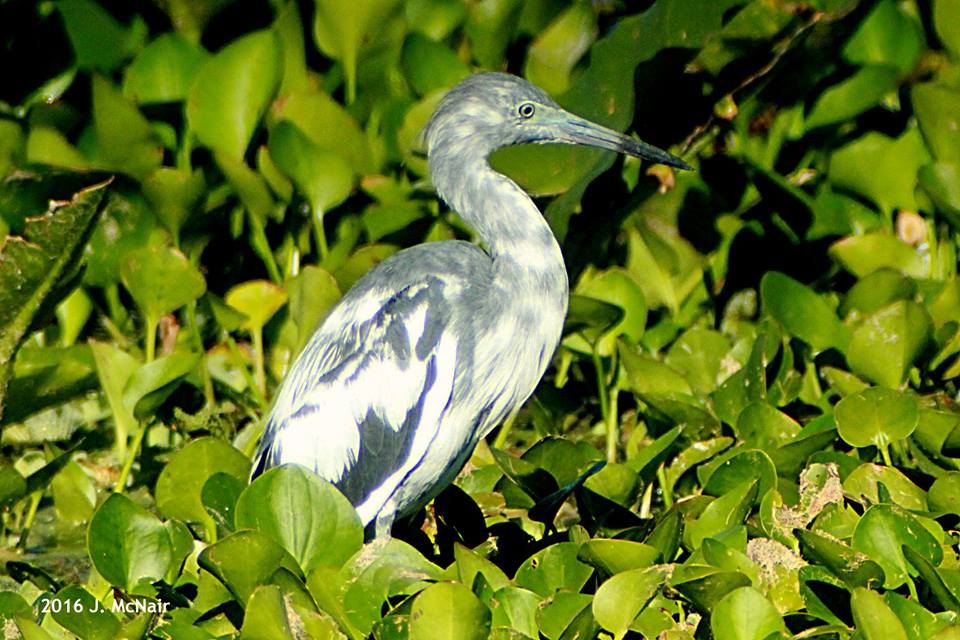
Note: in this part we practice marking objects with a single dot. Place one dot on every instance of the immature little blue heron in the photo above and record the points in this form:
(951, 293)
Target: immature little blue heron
(435, 346)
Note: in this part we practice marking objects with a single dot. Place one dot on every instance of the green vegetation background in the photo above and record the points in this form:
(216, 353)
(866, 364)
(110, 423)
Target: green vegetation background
(765, 350)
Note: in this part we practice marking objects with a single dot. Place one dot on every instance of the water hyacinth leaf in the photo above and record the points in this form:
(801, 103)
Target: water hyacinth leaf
(127, 224)
(620, 599)
(745, 614)
(13, 486)
(74, 494)
(946, 17)
(34, 262)
(944, 494)
(321, 175)
(180, 485)
(154, 381)
(874, 619)
(880, 168)
(449, 610)
(258, 300)
(945, 593)
(726, 511)
(553, 54)
(232, 91)
(738, 468)
(941, 182)
(125, 140)
(886, 345)
(861, 255)
(646, 375)
(764, 427)
(245, 560)
(81, 614)
(858, 93)
(312, 293)
(866, 479)
(265, 615)
(174, 194)
(937, 107)
(615, 556)
(161, 280)
(615, 286)
(12, 605)
(128, 544)
(302, 513)
(552, 569)
(876, 416)
(877, 290)
(164, 70)
(515, 609)
(328, 125)
(371, 576)
(592, 315)
(802, 312)
(699, 355)
(429, 65)
(99, 41)
(883, 530)
(289, 29)
(469, 564)
(889, 35)
(340, 30)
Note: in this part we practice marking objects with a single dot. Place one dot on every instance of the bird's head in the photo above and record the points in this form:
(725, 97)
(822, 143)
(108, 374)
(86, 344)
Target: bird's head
(487, 111)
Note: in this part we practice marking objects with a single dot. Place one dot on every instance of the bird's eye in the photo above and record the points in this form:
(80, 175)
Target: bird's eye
(526, 110)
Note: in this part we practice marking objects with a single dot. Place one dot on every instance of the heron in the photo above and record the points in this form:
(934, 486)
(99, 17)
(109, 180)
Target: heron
(436, 345)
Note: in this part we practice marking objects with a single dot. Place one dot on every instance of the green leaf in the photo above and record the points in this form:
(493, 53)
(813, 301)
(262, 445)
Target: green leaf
(885, 346)
(863, 254)
(125, 140)
(618, 287)
(877, 290)
(552, 569)
(34, 262)
(616, 556)
(80, 613)
(469, 564)
(942, 183)
(888, 35)
(851, 566)
(883, 530)
(763, 427)
(874, 619)
(943, 592)
(620, 599)
(302, 513)
(727, 511)
(936, 107)
(312, 293)
(449, 610)
(944, 494)
(429, 65)
(266, 616)
(738, 468)
(858, 93)
(880, 168)
(802, 312)
(245, 560)
(258, 300)
(339, 30)
(323, 176)
(946, 17)
(181, 483)
(174, 194)
(128, 544)
(153, 382)
(553, 54)
(744, 614)
(161, 280)
(164, 70)
(865, 481)
(516, 610)
(99, 41)
(876, 416)
(699, 355)
(232, 91)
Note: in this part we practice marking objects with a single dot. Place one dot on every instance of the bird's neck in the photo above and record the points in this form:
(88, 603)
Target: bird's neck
(524, 250)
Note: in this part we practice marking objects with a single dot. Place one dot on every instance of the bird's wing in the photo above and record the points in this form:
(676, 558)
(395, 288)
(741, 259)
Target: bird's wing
(370, 390)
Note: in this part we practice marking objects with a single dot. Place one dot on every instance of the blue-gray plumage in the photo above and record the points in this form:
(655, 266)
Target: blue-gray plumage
(435, 346)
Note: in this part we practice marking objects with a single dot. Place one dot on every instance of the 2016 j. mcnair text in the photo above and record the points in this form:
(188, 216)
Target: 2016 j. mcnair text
(435, 346)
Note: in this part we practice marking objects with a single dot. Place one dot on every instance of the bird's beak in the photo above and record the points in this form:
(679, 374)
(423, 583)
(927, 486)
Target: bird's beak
(575, 130)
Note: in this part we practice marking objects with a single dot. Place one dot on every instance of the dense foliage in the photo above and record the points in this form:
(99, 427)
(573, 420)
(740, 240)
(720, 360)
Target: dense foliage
(764, 351)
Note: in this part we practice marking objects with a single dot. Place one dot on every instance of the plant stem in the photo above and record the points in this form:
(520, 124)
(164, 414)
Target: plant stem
(35, 498)
(320, 233)
(131, 457)
(664, 489)
(238, 359)
(613, 426)
(885, 452)
(150, 338)
(501, 440)
(259, 373)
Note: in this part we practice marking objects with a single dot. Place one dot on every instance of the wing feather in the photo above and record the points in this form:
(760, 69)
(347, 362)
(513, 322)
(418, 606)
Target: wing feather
(375, 381)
